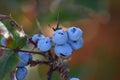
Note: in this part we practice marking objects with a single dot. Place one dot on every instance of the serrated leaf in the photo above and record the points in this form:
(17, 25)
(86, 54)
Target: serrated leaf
(3, 30)
(8, 63)
(17, 37)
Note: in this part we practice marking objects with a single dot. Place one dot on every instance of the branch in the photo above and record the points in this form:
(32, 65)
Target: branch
(62, 69)
(3, 17)
(33, 52)
(49, 74)
(35, 44)
(34, 63)
(12, 75)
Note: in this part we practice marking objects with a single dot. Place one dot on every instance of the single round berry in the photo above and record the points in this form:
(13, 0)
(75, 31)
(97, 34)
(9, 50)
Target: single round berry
(44, 44)
(37, 37)
(76, 44)
(30, 57)
(74, 33)
(24, 58)
(74, 79)
(3, 41)
(21, 73)
(63, 51)
(60, 37)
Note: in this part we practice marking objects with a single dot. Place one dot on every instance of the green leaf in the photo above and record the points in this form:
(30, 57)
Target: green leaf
(8, 63)
(16, 40)
(1, 37)
(22, 41)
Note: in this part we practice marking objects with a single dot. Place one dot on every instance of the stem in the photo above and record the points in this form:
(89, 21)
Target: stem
(12, 75)
(62, 69)
(1, 52)
(58, 21)
(3, 17)
(51, 59)
(34, 52)
(51, 27)
(34, 63)
(49, 74)
(56, 57)
(35, 45)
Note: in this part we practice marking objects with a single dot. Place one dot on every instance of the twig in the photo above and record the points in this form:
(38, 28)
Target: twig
(35, 44)
(62, 69)
(3, 17)
(39, 26)
(50, 72)
(58, 21)
(12, 75)
(58, 66)
(34, 63)
(51, 27)
(51, 59)
(33, 52)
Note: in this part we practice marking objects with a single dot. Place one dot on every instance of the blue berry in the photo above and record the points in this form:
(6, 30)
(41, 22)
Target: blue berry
(24, 58)
(60, 37)
(21, 73)
(76, 44)
(63, 51)
(74, 79)
(30, 56)
(37, 37)
(74, 33)
(44, 44)
(3, 41)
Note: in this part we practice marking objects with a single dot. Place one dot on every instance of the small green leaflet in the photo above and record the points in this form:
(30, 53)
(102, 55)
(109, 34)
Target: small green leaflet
(17, 38)
(8, 63)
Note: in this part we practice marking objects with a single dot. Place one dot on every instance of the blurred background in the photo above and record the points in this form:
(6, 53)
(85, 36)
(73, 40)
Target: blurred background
(99, 59)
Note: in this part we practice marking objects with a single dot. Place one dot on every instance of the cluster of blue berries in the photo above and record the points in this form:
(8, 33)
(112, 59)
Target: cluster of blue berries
(21, 71)
(64, 41)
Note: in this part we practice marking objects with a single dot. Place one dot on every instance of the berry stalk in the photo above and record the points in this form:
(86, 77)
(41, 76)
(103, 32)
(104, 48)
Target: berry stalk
(33, 52)
(34, 63)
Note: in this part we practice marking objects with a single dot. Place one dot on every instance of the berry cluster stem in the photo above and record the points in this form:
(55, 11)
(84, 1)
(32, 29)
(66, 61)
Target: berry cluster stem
(34, 63)
(33, 52)
(58, 66)
(12, 75)
(49, 73)
(62, 69)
